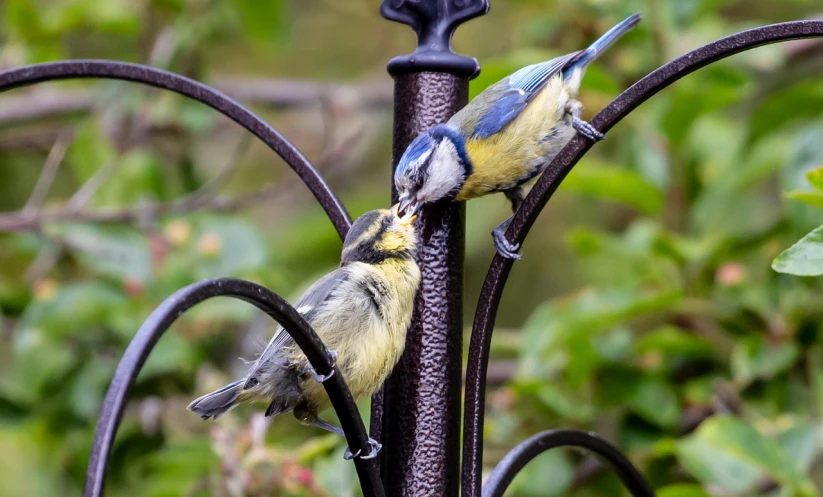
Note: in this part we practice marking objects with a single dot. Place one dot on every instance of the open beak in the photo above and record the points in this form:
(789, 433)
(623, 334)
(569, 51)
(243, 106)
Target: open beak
(408, 219)
(409, 207)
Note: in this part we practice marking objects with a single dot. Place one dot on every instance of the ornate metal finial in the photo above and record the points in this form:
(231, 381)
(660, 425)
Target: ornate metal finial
(434, 21)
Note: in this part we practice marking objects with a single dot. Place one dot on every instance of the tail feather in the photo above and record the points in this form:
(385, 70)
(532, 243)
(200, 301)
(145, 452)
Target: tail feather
(605, 41)
(219, 402)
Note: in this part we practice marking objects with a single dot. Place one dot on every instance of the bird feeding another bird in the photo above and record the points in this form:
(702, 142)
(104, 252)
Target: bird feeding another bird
(361, 311)
(504, 137)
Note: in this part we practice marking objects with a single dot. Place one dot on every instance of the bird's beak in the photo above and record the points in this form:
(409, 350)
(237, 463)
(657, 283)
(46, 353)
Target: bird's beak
(404, 204)
(409, 207)
(408, 219)
(408, 214)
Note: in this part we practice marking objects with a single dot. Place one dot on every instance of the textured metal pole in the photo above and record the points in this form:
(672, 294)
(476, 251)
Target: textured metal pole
(422, 412)
(420, 425)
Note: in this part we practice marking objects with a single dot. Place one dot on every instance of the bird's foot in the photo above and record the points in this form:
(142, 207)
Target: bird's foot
(375, 447)
(506, 248)
(587, 130)
(321, 378)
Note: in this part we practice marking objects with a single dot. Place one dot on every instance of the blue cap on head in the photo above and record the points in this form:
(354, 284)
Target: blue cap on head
(417, 148)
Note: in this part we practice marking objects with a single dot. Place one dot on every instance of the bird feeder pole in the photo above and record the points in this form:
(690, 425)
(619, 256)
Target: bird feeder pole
(417, 416)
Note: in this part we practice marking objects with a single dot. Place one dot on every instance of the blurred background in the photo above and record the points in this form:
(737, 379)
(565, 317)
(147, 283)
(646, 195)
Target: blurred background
(644, 308)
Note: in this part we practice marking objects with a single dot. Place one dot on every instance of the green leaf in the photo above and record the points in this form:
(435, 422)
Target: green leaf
(25, 465)
(122, 253)
(21, 19)
(549, 474)
(671, 340)
(813, 198)
(805, 155)
(37, 361)
(613, 183)
(656, 402)
(76, 309)
(815, 177)
(338, 478)
(89, 150)
(229, 245)
(784, 106)
(140, 177)
(263, 21)
(175, 469)
(801, 443)
(114, 16)
(754, 358)
(173, 354)
(682, 490)
(815, 372)
(564, 404)
(584, 315)
(804, 258)
(730, 453)
(86, 390)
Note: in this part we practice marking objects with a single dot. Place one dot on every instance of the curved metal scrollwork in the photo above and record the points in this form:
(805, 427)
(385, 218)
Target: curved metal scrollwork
(110, 69)
(517, 458)
(545, 187)
(279, 310)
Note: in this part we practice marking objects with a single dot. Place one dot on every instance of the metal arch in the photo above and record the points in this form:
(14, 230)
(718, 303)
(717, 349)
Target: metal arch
(111, 69)
(278, 309)
(525, 451)
(545, 187)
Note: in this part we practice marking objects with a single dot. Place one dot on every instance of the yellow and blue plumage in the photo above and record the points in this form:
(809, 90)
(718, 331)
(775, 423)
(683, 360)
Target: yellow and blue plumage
(361, 311)
(504, 137)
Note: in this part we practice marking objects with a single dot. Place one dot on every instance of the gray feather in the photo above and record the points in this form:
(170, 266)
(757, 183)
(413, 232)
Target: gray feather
(219, 402)
(313, 299)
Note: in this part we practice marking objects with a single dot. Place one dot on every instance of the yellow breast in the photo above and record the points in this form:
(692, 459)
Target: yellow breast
(368, 342)
(505, 159)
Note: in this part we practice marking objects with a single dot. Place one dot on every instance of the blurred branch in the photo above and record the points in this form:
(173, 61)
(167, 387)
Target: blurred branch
(47, 174)
(86, 192)
(198, 200)
(211, 189)
(47, 103)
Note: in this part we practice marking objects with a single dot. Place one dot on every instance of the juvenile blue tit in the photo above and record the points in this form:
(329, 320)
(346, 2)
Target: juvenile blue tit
(361, 311)
(504, 137)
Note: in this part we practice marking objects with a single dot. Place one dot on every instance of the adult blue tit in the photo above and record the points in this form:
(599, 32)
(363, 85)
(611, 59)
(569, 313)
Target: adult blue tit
(504, 137)
(360, 311)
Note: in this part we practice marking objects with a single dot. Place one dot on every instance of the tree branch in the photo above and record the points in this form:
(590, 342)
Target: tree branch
(47, 174)
(50, 102)
(203, 198)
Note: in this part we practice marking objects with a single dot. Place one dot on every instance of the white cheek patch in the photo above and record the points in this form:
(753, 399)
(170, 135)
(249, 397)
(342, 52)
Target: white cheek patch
(445, 173)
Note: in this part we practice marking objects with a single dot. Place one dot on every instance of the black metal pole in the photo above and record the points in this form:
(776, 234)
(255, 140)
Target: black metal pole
(420, 411)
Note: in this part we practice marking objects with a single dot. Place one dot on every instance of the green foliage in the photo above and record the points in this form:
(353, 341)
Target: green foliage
(645, 308)
(732, 454)
(805, 258)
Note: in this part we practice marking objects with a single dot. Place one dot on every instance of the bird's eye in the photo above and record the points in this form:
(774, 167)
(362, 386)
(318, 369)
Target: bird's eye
(250, 383)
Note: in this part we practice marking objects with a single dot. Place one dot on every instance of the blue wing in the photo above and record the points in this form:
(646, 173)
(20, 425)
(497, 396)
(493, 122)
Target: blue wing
(520, 88)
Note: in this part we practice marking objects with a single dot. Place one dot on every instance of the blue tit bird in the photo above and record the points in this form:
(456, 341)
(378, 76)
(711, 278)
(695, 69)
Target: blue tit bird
(361, 312)
(504, 137)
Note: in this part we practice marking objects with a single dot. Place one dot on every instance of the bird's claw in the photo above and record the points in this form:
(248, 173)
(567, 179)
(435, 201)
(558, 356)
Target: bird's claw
(321, 378)
(587, 130)
(375, 447)
(506, 248)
